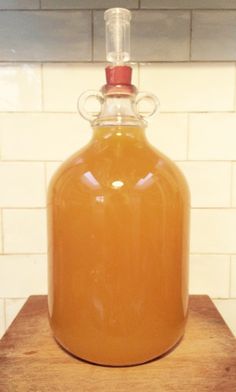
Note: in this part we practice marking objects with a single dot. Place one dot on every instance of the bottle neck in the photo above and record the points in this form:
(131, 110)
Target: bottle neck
(131, 133)
(119, 110)
(119, 101)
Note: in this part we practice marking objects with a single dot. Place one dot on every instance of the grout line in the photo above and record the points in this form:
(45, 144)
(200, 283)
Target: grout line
(42, 88)
(223, 299)
(214, 208)
(192, 208)
(211, 254)
(19, 254)
(66, 62)
(36, 113)
(13, 298)
(92, 35)
(197, 112)
(45, 177)
(231, 184)
(40, 5)
(216, 9)
(234, 97)
(201, 161)
(182, 9)
(2, 235)
(4, 313)
(210, 160)
(190, 35)
(188, 137)
(24, 208)
(1, 137)
(32, 161)
(143, 62)
(66, 10)
(191, 254)
(139, 75)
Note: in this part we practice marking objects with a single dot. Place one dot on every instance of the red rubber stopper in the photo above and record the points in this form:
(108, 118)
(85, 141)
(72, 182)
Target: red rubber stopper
(119, 74)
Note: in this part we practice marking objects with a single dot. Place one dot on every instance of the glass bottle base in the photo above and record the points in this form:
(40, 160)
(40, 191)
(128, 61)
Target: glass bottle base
(114, 363)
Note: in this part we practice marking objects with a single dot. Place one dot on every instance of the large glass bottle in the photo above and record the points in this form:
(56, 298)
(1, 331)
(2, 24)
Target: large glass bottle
(118, 214)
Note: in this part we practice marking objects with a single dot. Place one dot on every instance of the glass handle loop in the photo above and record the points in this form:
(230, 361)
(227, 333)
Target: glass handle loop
(83, 101)
(142, 96)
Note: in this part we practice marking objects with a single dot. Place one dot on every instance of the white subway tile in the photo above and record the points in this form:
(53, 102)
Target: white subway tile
(209, 182)
(227, 308)
(233, 276)
(64, 83)
(42, 136)
(23, 275)
(234, 185)
(22, 184)
(1, 233)
(2, 317)
(190, 86)
(51, 168)
(213, 231)
(20, 87)
(212, 136)
(168, 133)
(24, 231)
(209, 274)
(13, 306)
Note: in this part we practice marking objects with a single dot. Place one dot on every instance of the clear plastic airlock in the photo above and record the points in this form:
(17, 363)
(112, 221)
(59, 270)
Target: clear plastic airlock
(117, 35)
(118, 73)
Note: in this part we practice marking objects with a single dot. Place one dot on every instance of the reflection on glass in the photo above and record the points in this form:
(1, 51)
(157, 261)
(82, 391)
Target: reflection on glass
(145, 182)
(89, 179)
(100, 199)
(117, 184)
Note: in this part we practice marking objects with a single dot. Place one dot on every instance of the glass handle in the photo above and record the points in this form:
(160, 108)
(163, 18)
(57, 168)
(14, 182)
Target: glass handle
(151, 104)
(83, 101)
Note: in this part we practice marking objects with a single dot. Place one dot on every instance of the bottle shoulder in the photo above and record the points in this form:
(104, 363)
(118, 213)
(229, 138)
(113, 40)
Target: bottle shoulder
(71, 164)
(169, 165)
(136, 167)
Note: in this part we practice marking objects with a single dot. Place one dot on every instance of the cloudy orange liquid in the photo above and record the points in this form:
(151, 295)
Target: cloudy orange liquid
(118, 250)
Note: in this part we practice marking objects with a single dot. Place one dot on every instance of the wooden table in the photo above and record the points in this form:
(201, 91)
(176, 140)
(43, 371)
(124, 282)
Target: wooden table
(31, 361)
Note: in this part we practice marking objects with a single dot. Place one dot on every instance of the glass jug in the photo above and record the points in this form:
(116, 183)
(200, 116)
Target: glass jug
(118, 229)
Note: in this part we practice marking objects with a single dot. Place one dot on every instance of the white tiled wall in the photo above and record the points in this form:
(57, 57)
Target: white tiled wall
(12, 305)
(212, 136)
(233, 277)
(41, 137)
(22, 184)
(24, 231)
(39, 128)
(210, 274)
(1, 232)
(20, 88)
(2, 317)
(191, 87)
(22, 275)
(63, 84)
(170, 127)
(234, 184)
(213, 231)
(207, 188)
(228, 310)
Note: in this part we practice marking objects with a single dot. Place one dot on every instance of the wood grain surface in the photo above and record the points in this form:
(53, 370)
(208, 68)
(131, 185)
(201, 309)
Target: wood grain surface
(31, 360)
